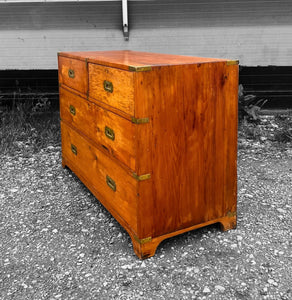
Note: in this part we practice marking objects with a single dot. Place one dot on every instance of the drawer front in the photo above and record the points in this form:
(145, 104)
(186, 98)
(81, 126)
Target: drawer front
(113, 132)
(112, 86)
(116, 187)
(73, 73)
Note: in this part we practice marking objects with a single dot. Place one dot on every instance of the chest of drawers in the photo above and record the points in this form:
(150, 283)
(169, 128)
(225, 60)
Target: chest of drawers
(153, 137)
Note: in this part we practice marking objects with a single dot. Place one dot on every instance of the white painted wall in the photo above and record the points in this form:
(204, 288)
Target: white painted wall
(255, 32)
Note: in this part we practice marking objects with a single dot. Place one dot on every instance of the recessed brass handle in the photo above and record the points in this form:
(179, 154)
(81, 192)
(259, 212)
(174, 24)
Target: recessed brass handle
(71, 73)
(108, 86)
(109, 133)
(74, 149)
(110, 182)
(72, 110)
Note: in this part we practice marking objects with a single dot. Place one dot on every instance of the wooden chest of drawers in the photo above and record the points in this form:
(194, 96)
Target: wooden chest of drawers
(154, 138)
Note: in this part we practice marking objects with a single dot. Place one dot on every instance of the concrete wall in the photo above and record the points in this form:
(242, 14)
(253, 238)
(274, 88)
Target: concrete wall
(255, 32)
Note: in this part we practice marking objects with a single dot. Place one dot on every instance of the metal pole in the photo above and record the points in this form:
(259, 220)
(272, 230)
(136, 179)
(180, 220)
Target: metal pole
(125, 19)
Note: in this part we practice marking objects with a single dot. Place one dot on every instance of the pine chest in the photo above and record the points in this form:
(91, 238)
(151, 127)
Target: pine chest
(153, 137)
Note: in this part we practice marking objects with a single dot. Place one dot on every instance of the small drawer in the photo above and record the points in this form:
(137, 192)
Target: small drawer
(112, 132)
(112, 86)
(115, 187)
(73, 73)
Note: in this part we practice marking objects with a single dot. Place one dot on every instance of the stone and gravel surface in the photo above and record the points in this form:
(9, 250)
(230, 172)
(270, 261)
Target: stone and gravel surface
(58, 242)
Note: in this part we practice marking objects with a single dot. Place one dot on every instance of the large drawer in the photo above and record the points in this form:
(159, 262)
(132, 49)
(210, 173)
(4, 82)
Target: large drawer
(111, 131)
(114, 184)
(112, 86)
(73, 73)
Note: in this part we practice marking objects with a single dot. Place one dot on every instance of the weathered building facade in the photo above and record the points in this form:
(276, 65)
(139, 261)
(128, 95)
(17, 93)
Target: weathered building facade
(258, 33)
(255, 32)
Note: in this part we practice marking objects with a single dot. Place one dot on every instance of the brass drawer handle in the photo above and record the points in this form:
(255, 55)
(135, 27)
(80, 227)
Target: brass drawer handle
(108, 86)
(72, 110)
(74, 149)
(110, 182)
(109, 133)
(71, 73)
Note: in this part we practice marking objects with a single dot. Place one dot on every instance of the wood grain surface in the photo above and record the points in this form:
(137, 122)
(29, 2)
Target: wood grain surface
(188, 145)
(192, 147)
(122, 95)
(123, 59)
(92, 120)
(94, 166)
(78, 68)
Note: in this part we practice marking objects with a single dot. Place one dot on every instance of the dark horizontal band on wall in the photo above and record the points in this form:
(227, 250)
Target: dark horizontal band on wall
(28, 80)
(273, 83)
(29, 86)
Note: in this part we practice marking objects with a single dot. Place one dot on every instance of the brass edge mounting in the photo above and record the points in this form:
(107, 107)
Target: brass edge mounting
(232, 62)
(141, 177)
(140, 69)
(231, 214)
(143, 241)
(86, 63)
(140, 121)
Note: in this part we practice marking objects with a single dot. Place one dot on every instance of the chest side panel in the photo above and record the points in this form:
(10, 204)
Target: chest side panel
(193, 146)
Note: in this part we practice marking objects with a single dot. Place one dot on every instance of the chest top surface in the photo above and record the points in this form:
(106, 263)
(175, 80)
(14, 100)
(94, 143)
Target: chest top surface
(127, 59)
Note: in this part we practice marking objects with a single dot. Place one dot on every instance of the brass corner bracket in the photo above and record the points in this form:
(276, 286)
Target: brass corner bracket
(143, 241)
(231, 214)
(141, 177)
(140, 68)
(232, 62)
(140, 121)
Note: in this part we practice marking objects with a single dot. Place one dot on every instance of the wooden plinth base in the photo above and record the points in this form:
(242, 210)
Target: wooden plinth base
(147, 248)
(63, 164)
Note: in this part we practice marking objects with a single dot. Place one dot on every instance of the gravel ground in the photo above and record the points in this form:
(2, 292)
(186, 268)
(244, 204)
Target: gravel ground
(58, 242)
